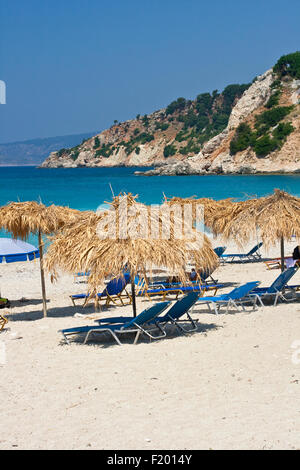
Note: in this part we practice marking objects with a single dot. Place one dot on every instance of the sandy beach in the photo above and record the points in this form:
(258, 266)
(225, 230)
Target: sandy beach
(231, 385)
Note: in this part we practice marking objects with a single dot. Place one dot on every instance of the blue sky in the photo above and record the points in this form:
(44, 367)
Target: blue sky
(75, 66)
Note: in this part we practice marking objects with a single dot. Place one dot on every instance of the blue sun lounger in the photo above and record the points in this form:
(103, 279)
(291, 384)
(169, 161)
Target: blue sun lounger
(219, 250)
(138, 325)
(178, 310)
(276, 288)
(207, 278)
(82, 276)
(111, 293)
(236, 297)
(252, 255)
(174, 314)
(178, 290)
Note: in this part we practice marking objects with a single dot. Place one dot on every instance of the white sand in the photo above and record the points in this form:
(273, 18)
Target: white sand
(232, 385)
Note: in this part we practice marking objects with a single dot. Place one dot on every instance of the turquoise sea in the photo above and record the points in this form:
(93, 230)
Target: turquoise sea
(88, 188)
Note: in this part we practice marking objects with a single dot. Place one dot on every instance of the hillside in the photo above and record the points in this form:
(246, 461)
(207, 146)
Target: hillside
(33, 152)
(177, 131)
(249, 128)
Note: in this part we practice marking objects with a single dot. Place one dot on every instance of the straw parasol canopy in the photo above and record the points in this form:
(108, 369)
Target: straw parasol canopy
(24, 218)
(129, 237)
(218, 219)
(277, 217)
(203, 209)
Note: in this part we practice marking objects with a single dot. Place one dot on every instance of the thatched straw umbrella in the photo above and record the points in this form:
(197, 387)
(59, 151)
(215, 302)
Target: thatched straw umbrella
(277, 217)
(24, 218)
(130, 236)
(203, 209)
(217, 219)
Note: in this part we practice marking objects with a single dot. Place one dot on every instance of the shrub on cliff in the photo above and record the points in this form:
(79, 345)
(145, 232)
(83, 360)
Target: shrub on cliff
(177, 105)
(272, 117)
(220, 121)
(169, 150)
(96, 143)
(191, 147)
(61, 152)
(204, 102)
(74, 155)
(181, 135)
(163, 126)
(145, 120)
(265, 145)
(242, 140)
(288, 65)
(283, 130)
(231, 93)
(273, 100)
(105, 151)
(144, 137)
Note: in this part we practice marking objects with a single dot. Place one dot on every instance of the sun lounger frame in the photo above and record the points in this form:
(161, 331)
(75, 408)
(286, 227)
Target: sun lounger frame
(229, 302)
(145, 326)
(252, 255)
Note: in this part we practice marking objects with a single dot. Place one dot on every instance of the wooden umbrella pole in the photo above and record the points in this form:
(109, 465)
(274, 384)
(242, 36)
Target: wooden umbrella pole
(282, 253)
(42, 275)
(133, 296)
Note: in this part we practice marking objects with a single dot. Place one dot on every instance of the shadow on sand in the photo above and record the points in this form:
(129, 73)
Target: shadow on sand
(105, 339)
(56, 312)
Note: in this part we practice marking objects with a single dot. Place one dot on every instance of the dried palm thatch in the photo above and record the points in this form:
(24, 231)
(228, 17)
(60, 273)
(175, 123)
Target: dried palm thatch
(218, 219)
(203, 209)
(130, 236)
(277, 217)
(23, 218)
(65, 215)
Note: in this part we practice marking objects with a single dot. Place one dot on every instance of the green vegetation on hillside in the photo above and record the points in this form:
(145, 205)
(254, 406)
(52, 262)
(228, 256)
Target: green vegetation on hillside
(61, 152)
(288, 65)
(243, 139)
(270, 118)
(139, 138)
(177, 105)
(270, 131)
(169, 150)
(269, 134)
(163, 126)
(105, 150)
(96, 143)
(198, 121)
(74, 155)
(203, 118)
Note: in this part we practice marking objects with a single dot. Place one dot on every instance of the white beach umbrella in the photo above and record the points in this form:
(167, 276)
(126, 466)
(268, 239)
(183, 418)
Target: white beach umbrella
(12, 251)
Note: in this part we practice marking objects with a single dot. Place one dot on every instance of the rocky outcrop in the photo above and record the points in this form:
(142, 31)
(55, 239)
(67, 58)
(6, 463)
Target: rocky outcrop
(255, 97)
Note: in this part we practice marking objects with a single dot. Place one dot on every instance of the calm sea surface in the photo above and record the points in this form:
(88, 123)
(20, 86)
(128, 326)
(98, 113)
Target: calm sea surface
(87, 188)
